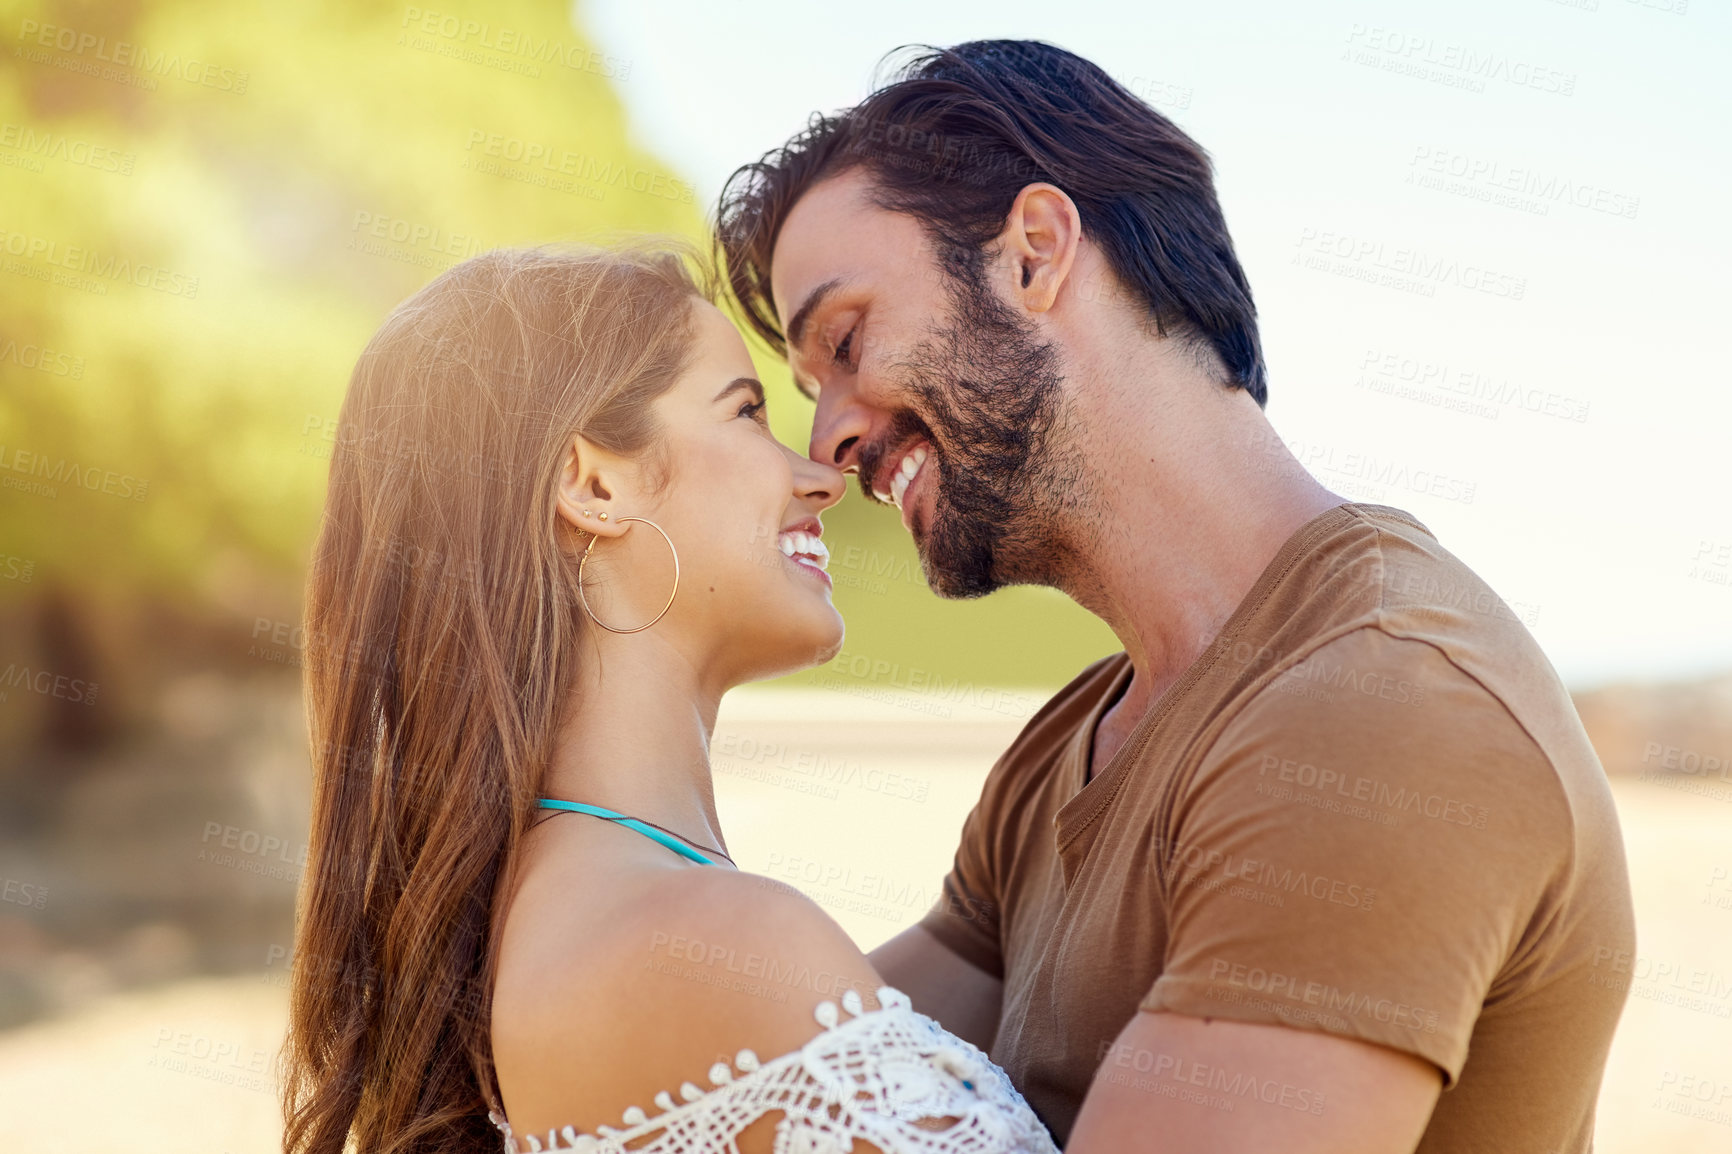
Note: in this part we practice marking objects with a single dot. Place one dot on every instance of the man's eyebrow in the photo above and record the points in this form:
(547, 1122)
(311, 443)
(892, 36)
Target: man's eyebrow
(738, 383)
(797, 326)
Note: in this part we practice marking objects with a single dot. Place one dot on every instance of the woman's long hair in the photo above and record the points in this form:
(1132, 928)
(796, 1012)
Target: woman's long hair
(441, 627)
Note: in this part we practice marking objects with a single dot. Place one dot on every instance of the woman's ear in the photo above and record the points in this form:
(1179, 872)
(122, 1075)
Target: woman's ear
(590, 479)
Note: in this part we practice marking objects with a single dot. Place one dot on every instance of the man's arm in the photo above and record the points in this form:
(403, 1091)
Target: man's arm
(960, 995)
(1182, 1085)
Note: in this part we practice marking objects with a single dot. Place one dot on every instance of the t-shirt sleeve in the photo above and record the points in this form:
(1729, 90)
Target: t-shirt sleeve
(965, 918)
(1360, 852)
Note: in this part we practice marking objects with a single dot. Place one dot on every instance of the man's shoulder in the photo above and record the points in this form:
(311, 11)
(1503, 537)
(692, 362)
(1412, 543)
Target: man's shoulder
(1386, 593)
(1370, 712)
(1372, 677)
(1390, 571)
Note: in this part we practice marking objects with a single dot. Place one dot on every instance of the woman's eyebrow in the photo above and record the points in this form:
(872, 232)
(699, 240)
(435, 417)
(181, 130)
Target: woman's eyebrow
(739, 383)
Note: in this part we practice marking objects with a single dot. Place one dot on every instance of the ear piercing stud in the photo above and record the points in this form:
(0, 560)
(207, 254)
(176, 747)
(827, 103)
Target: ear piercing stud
(603, 516)
(586, 512)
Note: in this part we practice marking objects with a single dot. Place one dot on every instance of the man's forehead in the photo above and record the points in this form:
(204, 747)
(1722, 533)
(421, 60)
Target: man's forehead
(829, 234)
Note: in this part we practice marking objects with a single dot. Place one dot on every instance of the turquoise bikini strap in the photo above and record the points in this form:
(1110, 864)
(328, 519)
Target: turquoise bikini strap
(630, 823)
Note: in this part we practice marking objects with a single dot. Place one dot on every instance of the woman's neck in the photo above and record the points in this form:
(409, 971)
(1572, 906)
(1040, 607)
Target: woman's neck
(638, 738)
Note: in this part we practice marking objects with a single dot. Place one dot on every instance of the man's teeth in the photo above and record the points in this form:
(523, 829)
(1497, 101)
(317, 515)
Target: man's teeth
(804, 546)
(905, 473)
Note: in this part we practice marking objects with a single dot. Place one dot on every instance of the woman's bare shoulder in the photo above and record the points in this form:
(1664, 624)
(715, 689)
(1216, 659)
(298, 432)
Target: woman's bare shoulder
(693, 967)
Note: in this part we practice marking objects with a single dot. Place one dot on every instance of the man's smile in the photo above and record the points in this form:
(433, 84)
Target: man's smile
(904, 469)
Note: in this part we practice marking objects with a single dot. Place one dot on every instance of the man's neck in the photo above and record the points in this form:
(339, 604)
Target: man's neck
(1190, 495)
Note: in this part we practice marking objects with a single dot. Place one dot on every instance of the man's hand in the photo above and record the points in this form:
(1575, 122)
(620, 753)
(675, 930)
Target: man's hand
(963, 998)
(1166, 1084)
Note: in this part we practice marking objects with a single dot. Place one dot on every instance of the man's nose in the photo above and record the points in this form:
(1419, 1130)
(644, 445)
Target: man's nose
(838, 426)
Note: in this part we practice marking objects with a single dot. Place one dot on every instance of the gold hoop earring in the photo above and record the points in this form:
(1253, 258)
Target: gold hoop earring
(585, 561)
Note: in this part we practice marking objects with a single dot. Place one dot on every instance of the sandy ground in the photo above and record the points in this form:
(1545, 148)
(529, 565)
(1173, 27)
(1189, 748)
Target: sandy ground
(858, 803)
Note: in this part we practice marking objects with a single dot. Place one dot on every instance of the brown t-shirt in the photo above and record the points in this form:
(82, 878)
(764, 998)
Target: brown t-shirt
(1367, 809)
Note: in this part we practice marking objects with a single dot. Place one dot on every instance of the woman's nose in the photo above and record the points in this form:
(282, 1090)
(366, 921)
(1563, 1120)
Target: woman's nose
(817, 484)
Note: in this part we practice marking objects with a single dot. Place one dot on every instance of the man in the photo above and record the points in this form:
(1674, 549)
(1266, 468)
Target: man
(1323, 861)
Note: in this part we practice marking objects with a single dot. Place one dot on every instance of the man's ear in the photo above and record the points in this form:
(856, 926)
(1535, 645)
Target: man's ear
(590, 481)
(1038, 245)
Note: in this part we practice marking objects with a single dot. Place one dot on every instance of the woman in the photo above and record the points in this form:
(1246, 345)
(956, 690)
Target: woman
(558, 529)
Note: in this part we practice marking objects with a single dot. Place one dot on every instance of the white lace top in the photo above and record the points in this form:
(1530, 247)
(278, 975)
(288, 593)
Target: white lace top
(892, 1077)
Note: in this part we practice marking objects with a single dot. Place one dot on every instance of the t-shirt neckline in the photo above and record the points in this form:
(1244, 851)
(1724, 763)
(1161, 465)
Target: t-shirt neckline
(1089, 802)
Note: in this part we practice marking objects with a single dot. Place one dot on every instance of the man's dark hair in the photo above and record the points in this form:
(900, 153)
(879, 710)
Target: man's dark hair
(958, 132)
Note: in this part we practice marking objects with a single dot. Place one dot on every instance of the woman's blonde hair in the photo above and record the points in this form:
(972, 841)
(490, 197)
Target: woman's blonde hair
(441, 626)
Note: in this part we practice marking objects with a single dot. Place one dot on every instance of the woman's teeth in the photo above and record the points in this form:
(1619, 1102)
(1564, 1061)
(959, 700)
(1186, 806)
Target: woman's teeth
(804, 547)
(905, 473)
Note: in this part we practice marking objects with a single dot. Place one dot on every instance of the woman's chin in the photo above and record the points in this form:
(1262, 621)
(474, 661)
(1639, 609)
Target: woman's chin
(806, 645)
(833, 645)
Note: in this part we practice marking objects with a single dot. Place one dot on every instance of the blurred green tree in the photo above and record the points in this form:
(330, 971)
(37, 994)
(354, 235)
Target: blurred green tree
(205, 211)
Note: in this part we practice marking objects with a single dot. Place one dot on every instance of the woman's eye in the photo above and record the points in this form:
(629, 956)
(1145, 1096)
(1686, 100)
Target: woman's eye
(752, 409)
(843, 354)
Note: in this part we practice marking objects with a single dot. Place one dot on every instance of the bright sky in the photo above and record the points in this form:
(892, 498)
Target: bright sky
(1543, 181)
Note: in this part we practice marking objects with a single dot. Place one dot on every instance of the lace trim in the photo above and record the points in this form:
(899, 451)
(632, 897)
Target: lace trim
(883, 1076)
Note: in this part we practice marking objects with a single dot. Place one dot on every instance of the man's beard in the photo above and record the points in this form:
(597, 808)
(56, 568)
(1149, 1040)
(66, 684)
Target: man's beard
(988, 395)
